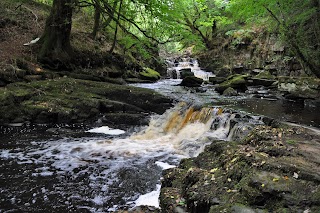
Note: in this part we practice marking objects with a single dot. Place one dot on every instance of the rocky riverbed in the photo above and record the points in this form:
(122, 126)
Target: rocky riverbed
(273, 169)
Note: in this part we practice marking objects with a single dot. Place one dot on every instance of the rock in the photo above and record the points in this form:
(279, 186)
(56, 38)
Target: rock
(216, 80)
(185, 73)
(300, 88)
(237, 82)
(223, 72)
(230, 92)
(67, 100)
(137, 80)
(191, 81)
(264, 75)
(238, 69)
(149, 74)
(271, 170)
(260, 82)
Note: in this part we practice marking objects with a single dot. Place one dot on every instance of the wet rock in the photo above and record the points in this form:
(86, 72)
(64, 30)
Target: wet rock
(216, 80)
(230, 92)
(264, 172)
(237, 82)
(185, 73)
(191, 81)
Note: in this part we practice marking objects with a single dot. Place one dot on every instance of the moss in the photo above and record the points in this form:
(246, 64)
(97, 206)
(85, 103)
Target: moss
(236, 81)
(150, 74)
(265, 75)
(65, 96)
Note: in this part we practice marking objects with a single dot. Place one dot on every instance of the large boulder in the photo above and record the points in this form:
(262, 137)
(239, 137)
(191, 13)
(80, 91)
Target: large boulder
(191, 81)
(236, 81)
(149, 74)
(230, 92)
(185, 73)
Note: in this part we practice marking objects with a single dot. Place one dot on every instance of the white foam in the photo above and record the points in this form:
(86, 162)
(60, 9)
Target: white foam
(164, 165)
(149, 199)
(106, 130)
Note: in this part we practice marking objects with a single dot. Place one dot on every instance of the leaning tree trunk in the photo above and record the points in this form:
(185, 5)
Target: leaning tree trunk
(56, 50)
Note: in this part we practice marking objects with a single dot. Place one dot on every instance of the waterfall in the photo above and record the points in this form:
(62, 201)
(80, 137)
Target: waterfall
(176, 67)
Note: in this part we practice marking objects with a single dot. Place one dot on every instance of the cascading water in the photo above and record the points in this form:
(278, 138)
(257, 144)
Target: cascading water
(97, 174)
(176, 67)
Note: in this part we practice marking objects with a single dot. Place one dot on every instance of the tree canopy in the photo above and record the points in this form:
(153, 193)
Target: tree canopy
(140, 26)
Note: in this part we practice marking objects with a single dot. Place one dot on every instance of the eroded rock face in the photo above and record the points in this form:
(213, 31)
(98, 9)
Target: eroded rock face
(66, 100)
(271, 170)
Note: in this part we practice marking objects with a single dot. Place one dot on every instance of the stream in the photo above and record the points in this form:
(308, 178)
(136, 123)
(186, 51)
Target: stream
(80, 168)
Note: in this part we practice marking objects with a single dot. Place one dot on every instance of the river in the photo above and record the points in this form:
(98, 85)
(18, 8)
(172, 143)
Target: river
(79, 168)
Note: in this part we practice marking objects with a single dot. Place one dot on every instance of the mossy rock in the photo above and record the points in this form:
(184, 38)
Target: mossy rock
(191, 81)
(230, 92)
(246, 177)
(236, 81)
(300, 88)
(74, 100)
(149, 74)
(265, 75)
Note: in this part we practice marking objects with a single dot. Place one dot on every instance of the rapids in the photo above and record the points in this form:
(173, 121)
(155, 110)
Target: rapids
(101, 173)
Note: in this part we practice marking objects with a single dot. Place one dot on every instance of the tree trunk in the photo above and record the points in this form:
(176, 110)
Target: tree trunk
(97, 16)
(116, 31)
(56, 50)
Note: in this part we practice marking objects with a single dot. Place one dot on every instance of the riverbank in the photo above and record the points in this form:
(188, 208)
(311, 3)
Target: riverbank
(69, 100)
(270, 170)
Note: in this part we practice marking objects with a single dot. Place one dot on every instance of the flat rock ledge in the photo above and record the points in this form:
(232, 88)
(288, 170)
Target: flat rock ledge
(69, 100)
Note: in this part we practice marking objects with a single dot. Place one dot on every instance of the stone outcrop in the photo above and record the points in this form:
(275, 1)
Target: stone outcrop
(271, 170)
(66, 100)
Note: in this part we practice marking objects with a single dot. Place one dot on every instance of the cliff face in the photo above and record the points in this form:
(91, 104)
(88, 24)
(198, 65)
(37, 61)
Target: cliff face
(243, 51)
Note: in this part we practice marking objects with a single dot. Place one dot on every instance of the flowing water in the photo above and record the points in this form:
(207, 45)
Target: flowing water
(75, 169)
(84, 172)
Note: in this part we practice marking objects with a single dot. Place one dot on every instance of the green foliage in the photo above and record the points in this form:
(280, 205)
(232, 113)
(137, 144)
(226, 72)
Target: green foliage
(296, 21)
(47, 2)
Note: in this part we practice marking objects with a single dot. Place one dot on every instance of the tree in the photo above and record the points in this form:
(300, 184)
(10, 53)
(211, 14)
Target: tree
(56, 50)
(296, 21)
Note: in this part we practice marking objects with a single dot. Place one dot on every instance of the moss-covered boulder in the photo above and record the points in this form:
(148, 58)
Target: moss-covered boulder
(300, 88)
(149, 74)
(264, 78)
(236, 81)
(271, 170)
(66, 100)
